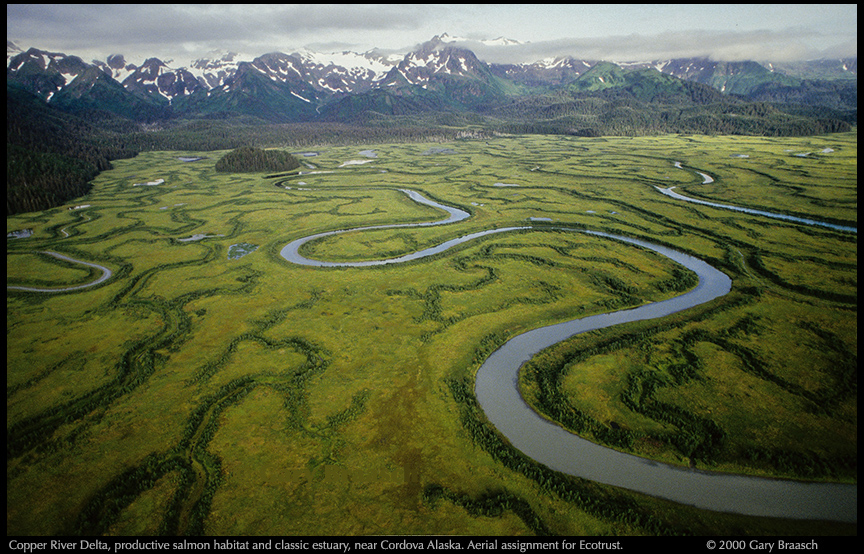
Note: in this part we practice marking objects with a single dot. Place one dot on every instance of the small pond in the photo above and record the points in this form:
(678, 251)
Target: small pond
(237, 251)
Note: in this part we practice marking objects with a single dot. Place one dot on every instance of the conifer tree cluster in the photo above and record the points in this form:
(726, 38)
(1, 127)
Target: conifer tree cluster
(247, 159)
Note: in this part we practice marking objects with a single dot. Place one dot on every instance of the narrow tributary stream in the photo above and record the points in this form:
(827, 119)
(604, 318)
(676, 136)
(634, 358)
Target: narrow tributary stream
(794, 219)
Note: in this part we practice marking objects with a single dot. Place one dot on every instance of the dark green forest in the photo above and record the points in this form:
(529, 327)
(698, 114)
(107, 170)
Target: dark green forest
(53, 154)
(247, 159)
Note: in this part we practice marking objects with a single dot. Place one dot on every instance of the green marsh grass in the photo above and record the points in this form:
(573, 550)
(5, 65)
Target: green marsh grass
(193, 393)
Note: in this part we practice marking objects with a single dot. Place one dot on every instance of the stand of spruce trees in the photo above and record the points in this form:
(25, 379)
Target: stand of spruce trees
(247, 159)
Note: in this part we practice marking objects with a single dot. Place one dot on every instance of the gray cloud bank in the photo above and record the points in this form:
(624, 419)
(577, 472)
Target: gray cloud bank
(200, 28)
(191, 30)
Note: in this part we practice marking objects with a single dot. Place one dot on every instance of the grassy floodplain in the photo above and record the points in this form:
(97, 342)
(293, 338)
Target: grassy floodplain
(199, 393)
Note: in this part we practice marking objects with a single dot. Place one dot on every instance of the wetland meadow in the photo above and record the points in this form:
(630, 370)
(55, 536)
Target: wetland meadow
(171, 371)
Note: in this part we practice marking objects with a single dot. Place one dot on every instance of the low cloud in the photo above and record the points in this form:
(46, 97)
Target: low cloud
(727, 46)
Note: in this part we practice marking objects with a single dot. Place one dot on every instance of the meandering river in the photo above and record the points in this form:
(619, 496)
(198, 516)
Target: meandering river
(708, 179)
(498, 393)
(106, 274)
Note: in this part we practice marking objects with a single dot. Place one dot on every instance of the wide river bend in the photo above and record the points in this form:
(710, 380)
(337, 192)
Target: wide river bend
(498, 393)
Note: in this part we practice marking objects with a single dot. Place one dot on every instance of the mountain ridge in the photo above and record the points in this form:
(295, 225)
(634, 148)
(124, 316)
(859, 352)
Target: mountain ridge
(333, 75)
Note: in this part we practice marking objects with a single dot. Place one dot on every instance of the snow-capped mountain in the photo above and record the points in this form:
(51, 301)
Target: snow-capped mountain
(321, 75)
(347, 72)
(330, 73)
(154, 78)
(69, 83)
(213, 72)
(45, 73)
(744, 77)
(543, 73)
(436, 59)
(442, 72)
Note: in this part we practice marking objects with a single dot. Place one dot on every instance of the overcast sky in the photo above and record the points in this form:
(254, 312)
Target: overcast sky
(637, 32)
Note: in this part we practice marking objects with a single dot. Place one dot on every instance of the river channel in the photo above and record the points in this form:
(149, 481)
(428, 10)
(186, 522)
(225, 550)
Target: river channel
(106, 274)
(707, 179)
(498, 393)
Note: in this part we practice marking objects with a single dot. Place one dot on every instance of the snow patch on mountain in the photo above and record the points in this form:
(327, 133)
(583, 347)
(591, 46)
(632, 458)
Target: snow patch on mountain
(300, 97)
(214, 71)
(500, 41)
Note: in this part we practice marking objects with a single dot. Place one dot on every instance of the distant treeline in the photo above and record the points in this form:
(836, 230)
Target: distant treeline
(622, 116)
(53, 155)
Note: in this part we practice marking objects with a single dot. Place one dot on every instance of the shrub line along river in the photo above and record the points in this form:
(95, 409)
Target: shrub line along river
(497, 390)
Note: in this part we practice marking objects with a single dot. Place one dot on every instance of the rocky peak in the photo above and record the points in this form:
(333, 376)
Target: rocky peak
(116, 61)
